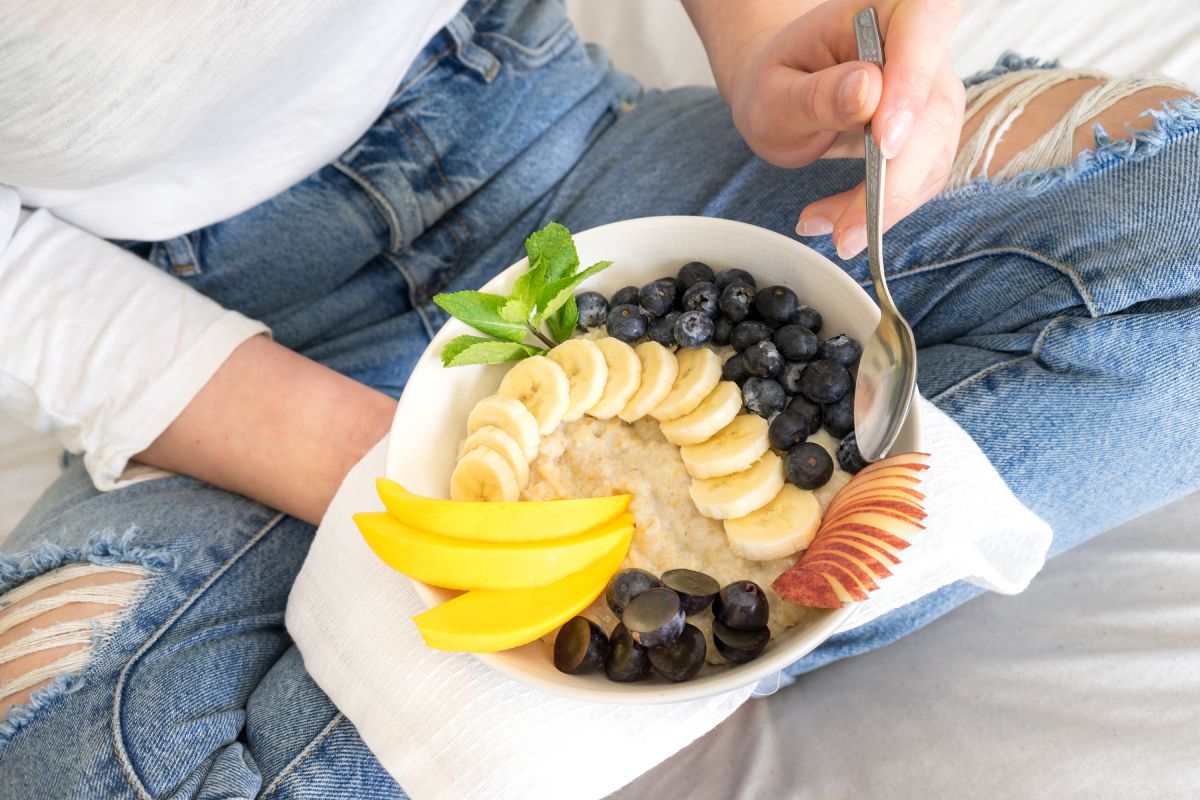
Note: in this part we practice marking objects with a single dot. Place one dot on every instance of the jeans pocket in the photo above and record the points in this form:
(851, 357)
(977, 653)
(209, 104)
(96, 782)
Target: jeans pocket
(525, 35)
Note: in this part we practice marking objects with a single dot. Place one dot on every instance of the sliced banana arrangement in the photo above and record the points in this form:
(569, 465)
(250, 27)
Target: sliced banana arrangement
(587, 373)
(542, 386)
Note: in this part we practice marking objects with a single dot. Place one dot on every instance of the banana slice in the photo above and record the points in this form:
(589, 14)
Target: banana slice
(543, 387)
(732, 449)
(586, 372)
(483, 474)
(493, 438)
(509, 415)
(784, 526)
(714, 413)
(738, 494)
(659, 370)
(699, 374)
(624, 377)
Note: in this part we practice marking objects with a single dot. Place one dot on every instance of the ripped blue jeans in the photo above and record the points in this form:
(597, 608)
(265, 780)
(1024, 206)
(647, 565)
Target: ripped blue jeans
(1057, 315)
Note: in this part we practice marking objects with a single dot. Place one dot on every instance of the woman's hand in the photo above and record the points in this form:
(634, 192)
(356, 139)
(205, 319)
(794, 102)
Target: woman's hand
(790, 74)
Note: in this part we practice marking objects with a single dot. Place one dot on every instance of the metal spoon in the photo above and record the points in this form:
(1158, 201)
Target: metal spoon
(887, 373)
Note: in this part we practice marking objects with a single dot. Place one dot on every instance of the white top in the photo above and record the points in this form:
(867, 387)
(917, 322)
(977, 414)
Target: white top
(146, 119)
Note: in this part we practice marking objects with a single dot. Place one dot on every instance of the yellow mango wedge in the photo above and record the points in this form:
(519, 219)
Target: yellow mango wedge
(484, 621)
(525, 521)
(470, 564)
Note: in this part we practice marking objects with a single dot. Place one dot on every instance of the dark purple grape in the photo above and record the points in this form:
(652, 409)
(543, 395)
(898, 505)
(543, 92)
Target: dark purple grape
(808, 466)
(796, 342)
(694, 272)
(749, 332)
(627, 660)
(695, 589)
(580, 647)
(654, 618)
(776, 304)
(742, 605)
(626, 585)
(739, 646)
(734, 275)
(683, 658)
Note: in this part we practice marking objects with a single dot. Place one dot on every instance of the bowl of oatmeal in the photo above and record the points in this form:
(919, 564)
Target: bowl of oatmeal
(591, 457)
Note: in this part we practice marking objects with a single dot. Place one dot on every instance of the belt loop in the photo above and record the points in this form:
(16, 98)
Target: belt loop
(471, 55)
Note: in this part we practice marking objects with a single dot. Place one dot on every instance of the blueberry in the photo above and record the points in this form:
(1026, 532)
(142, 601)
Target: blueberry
(692, 273)
(628, 295)
(796, 342)
(626, 585)
(737, 300)
(702, 297)
(654, 618)
(580, 647)
(734, 369)
(776, 304)
(683, 658)
(657, 297)
(808, 317)
(627, 322)
(593, 309)
(733, 275)
(763, 359)
(848, 455)
(808, 409)
(627, 660)
(789, 378)
(693, 329)
(748, 332)
(788, 429)
(825, 381)
(743, 606)
(843, 349)
(763, 396)
(722, 330)
(839, 416)
(808, 466)
(662, 330)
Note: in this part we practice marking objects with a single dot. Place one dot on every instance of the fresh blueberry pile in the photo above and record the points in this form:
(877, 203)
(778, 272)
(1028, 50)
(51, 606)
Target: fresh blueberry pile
(654, 634)
(788, 374)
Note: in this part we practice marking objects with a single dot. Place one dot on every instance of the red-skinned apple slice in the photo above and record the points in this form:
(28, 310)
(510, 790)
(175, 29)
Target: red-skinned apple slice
(811, 588)
(880, 554)
(904, 493)
(869, 533)
(843, 575)
(916, 461)
(890, 508)
(851, 566)
(869, 560)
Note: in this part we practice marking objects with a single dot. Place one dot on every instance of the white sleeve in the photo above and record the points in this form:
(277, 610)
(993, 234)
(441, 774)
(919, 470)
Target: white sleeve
(98, 347)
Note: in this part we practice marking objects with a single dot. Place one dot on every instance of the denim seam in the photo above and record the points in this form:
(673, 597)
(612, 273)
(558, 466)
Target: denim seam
(119, 750)
(1059, 266)
(1032, 355)
(303, 755)
(437, 179)
(390, 215)
(431, 64)
(413, 300)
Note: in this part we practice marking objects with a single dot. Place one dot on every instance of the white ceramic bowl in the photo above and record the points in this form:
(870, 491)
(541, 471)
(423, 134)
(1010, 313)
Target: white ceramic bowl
(431, 418)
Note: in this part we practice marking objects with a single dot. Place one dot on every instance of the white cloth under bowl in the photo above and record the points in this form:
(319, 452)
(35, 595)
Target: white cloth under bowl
(445, 725)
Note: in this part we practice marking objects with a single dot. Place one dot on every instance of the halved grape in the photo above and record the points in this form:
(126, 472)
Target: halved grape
(654, 618)
(695, 589)
(627, 660)
(626, 585)
(739, 646)
(742, 605)
(580, 647)
(683, 658)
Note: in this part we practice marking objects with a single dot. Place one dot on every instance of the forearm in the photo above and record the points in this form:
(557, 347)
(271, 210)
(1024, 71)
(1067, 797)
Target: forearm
(731, 31)
(276, 427)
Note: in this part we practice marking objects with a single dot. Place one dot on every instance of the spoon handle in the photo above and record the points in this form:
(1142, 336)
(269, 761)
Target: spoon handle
(870, 48)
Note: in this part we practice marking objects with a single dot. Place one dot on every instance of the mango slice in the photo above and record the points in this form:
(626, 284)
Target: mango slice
(484, 621)
(527, 521)
(470, 564)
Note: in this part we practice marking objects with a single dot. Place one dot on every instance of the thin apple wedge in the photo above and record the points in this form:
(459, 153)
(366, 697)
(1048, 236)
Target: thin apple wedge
(524, 521)
(867, 525)
(469, 564)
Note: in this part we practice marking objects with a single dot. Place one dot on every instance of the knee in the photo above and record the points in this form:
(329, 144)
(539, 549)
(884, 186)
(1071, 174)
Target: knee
(49, 624)
(1043, 118)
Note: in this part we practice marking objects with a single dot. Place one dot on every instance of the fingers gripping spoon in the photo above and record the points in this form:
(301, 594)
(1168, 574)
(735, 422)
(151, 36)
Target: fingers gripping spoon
(887, 372)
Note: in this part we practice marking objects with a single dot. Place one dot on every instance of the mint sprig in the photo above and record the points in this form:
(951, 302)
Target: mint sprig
(542, 298)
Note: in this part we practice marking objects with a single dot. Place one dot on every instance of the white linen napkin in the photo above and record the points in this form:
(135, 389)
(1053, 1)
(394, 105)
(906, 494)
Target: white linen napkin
(444, 725)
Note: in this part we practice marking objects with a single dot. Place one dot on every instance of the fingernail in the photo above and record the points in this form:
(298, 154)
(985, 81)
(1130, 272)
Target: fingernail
(895, 133)
(852, 242)
(853, 91)
(814, 225)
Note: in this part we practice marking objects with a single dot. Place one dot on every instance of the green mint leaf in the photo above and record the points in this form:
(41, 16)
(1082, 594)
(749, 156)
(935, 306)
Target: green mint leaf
(555, 294)
(490, 352)
(562, 322)
(458, 344)
(551, 253)
(481, 311)
(515, 311)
